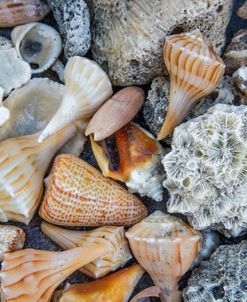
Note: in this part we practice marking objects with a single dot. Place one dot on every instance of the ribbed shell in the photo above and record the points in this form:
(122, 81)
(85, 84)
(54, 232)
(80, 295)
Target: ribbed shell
(79, 195)
(165, 247)
(195, 70)
(113, 237)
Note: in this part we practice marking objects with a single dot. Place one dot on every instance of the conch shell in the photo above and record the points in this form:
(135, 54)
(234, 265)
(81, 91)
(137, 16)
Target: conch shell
(165, 247)
(16, 12)
(140, 158)
(116, 287)
(116, 112)
(88, 87)
(38, 44)
(114, 237)
(23, 164)
(195, 70)
(12, 239)
(79, 195)
(33, 275)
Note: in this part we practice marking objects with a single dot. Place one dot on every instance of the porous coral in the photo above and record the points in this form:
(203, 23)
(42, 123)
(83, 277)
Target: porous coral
(207, 170)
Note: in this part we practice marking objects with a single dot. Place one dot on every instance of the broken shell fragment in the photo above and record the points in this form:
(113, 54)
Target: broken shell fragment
(23, 164)
(12, 239)
(79, 195)
(114, 237)
(140, 158)
(195, 70)
(38, 44)
(242, 11)
(33, 275)
(88, 87)
(165, 247)
(115, 113)
(16, 12)
(116, 287)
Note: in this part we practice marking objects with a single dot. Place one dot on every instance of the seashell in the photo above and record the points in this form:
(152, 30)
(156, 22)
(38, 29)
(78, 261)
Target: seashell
(114, 237)
(78, 195)
(242, 11)
(195, 70)
(14, 72)
(115, 113)
(88, 87)
(12, 239)
(140, 158)
(165, 247)
(38, 44)
(115, 287)
(23, 164)
(16, 12)
(33, 275)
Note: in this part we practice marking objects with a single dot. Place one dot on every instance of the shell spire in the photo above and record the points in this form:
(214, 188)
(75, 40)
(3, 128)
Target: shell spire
(195, 70)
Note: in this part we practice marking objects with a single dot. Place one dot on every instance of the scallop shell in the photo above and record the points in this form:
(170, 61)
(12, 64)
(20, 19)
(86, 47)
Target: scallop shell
(38, 44)
(88, 87)
(12, 239)
(113, 288)
(165, 247)
(78, 195)
(195, 70)
(16, 12)
(114, 237)
(140, 157)
(23, 164)
(33, 275)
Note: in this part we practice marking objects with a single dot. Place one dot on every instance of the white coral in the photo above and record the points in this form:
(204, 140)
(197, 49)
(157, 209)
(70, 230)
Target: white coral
(207, 170)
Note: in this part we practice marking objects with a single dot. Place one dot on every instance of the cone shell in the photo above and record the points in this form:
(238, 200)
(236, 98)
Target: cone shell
(23, 164)
(12, 239)
(33, 275)
(78, 195)
(165, 247)
(116, 287)
(115, 113)
(15, 12)
(113, 237)
(195, 70)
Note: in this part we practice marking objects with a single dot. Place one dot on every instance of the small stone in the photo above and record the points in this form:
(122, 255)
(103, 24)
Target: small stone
(240, 80)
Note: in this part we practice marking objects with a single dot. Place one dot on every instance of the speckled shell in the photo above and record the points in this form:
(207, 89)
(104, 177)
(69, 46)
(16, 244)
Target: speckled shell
(79, 195)
(113, 237)
(195, 70)
(165, 247)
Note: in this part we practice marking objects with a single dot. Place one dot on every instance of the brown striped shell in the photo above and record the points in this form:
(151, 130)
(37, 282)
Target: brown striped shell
(79, 195)
(195, 70)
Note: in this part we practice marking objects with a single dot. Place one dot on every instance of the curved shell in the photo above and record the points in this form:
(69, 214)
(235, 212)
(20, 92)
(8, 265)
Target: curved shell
(195, 70)
(92, 199)
(114, 237)
(165, 247)
(38, 44)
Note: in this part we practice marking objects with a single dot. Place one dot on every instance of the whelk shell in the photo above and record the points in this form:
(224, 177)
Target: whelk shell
(79, 195)
(33, 275)
(116, 287)
(23, 164)
(38, 44)
(165, 247)
(88, 87)
(195, 70)
(12, 239)
(116, 112)
(113, 237)
(16, 12)
(140, 156)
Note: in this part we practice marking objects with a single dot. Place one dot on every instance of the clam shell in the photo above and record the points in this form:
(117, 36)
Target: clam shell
(38, 44)
(195, 70)
(165, 247)
(79, 195)
(114, 237)
(23, 164)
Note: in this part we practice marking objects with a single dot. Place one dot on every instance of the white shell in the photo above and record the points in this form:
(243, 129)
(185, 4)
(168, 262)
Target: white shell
(37, 43)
